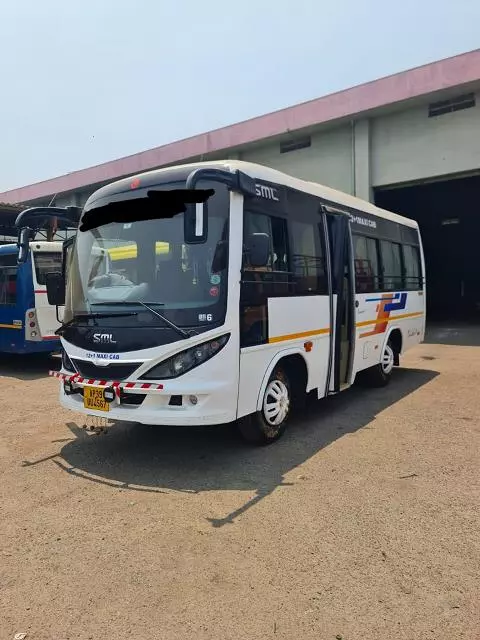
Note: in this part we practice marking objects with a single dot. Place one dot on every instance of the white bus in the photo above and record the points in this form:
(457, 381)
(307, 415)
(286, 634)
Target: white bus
(264, 288)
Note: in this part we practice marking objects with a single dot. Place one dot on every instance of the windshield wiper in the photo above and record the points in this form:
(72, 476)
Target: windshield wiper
(92, 316)
(169, 323)
(175, 327)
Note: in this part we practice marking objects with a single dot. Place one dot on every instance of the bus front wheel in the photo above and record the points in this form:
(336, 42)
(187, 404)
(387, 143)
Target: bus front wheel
(268, 424)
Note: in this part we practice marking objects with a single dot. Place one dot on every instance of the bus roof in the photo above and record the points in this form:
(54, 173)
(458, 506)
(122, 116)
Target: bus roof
(180, 173)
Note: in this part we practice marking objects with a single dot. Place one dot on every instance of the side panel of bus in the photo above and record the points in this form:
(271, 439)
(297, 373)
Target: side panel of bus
(285, 308)
(337, 287)
(390, 290)
(12, 294)
(17, 301)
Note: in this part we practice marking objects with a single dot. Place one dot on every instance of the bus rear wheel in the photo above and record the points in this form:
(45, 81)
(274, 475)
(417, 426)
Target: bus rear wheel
(380, 375)
(268, 424)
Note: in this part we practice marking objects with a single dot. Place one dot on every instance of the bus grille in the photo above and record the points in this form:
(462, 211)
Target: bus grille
(112, 371)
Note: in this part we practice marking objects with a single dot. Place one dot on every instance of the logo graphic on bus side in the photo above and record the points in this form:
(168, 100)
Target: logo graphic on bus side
(365, 222)
(269, 193)
(386, 303)
(103, 338)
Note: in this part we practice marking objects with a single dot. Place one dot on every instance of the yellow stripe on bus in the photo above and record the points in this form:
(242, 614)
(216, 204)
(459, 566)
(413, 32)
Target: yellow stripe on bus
(11, 326)
(297, 336)
(128, 252)
(402, 316)
(318, 332)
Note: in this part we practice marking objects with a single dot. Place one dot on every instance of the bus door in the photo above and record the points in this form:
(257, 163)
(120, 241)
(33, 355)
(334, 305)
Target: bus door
(44, 262)
(343, 307)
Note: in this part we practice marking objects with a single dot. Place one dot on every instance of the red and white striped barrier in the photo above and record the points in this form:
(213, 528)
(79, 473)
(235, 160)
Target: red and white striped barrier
(77, 379)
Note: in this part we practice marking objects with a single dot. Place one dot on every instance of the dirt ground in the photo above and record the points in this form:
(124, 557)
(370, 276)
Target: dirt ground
(361, 523)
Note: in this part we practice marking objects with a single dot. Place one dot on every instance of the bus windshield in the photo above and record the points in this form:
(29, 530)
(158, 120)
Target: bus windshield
(46, 262)
(147, 261)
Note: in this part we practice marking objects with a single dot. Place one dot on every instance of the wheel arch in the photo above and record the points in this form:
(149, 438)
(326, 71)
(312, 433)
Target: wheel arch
(294, 362)
(395, 336)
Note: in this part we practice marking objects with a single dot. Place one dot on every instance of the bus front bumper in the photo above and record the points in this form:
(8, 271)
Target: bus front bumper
(213, 404)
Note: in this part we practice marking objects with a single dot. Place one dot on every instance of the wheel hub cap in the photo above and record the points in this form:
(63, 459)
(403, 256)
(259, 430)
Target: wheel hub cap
(387, 359)
(276, 403)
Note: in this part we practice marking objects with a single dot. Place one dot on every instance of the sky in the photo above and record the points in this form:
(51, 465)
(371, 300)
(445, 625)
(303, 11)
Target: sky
(87, 81)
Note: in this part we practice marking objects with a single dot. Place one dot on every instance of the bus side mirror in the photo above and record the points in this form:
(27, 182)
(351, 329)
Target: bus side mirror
(196, 223)
(23, 245)
(258, 249)
(55, 289)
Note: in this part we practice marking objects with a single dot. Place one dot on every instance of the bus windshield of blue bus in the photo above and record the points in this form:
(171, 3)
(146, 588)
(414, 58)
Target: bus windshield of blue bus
(148, 261)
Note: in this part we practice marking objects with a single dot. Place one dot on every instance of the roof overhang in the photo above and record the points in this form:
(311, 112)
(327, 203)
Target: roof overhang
(360, 101)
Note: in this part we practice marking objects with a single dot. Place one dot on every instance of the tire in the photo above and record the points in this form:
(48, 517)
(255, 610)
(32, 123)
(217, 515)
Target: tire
(381, 374)
(269, 423)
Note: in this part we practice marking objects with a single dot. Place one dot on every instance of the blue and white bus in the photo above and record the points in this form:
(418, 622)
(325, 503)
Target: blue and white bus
(27, 322)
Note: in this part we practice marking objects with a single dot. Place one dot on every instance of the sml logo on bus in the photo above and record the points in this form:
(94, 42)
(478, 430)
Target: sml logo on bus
(269, 193)
(103, 338)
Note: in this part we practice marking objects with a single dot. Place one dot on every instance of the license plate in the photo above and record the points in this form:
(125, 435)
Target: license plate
(93, 399)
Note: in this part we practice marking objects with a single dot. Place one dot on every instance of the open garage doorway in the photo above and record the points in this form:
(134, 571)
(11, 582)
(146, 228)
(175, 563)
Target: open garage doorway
(449, 216)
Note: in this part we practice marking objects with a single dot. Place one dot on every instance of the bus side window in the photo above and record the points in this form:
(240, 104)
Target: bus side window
(391, 265)
(8, 280)
(366, 264)
(308, 261)
(256, 223)
(260, 283)
(412, 266)
(276, 229)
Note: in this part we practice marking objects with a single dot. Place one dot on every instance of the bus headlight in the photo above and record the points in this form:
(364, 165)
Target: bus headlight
(186, 360)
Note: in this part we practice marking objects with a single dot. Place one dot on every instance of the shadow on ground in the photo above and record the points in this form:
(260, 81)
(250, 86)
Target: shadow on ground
(27, 367)
(455, 334)
(193, 460)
